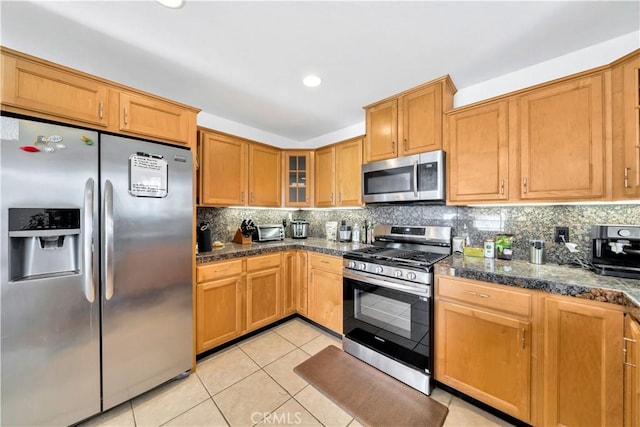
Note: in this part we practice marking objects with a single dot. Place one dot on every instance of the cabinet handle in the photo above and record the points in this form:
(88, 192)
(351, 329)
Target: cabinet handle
(624, 352)
(126, 116)
(242, 197)
(331, 199)
(626, 177)
(393, 147)
(253, 199)
(406, 145)
(502, 186)
(522, 341)
(524, 184)
(324, 262)
(101, 109)
(340, 197)
(476, 294)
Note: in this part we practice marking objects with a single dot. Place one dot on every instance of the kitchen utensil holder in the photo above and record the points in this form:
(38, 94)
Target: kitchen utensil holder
(241, 239)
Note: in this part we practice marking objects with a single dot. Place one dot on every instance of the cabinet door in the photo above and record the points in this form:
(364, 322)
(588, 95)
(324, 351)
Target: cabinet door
(223, 170)
(298, 178)
(264, 176)
(485, 355)
(325, 299)
(289, 282)
(583, 377)
(632, 372)
(562, 142)
(420, 120)
(51, 91)
(477, 148)
(302, 293)
(382, 131)
(626, 128)
(218, 312)
(153, 118)
(349, 173)
(325, 184)
(263, 297)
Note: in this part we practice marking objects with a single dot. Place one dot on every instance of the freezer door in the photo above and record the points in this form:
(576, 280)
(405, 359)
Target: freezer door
(48, 275)
(147, 318)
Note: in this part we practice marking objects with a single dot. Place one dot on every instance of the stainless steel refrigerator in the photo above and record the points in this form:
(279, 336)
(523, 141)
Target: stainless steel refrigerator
(96, 253)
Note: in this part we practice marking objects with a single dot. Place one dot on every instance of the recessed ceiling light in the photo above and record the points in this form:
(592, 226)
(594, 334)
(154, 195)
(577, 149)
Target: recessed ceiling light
(312, 81)
(173, 4)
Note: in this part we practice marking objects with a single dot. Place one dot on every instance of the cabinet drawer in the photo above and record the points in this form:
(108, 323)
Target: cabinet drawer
(493, 297)
(329, 263)
(263, 261)
(218, 270)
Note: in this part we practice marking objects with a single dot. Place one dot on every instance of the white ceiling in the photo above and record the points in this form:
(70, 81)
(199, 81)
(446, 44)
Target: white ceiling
(244, 61)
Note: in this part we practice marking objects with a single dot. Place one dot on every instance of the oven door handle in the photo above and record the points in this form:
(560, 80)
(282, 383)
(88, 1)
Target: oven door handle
(388, 283)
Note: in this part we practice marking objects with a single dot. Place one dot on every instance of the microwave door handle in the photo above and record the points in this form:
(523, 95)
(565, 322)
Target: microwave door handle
(415, 179)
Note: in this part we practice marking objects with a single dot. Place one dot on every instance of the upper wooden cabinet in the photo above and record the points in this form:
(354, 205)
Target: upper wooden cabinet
(337, 174)
(562, 144)
(264, 176)
(298, 178)
(625, 81)
(408, 123)
(237, 172)
(39, 88)
(477, 146)
(223, 169)
(155, 118)
(61, 94)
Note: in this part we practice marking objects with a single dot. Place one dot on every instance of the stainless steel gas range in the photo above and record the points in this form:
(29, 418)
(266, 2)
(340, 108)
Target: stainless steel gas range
(388, 304)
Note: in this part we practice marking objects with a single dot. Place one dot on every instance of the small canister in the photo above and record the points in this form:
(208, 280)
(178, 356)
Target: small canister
(489, 248)
(536, 251)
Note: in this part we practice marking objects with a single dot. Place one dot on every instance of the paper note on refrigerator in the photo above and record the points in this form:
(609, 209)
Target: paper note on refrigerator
(147, 175)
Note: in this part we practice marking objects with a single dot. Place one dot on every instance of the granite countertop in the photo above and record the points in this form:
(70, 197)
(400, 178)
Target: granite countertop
(234, 250)
(552, 278)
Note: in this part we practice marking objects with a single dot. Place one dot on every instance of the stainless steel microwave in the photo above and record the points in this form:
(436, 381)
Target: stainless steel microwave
(419, 177)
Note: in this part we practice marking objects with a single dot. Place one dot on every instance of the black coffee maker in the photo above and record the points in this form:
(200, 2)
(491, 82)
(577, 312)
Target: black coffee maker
(204, 237)
(615, 250)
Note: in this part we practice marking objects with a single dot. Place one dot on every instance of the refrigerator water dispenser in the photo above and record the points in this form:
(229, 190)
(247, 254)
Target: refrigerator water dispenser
(43, 242)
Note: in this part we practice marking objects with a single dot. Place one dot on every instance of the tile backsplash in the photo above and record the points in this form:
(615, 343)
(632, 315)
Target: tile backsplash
(524, 222)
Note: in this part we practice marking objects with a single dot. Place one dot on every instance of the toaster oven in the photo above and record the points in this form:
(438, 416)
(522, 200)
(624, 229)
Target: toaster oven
(268, 232)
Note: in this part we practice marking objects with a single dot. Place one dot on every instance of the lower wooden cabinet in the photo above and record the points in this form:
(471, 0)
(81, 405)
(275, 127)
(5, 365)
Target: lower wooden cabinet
(264, 287)
(483, 343)
(219, 303)
(325, 291)
(582, 382)
(302, 284)
(631, 372)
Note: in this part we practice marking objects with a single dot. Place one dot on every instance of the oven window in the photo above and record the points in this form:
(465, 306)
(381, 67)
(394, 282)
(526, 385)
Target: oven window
(386, 313)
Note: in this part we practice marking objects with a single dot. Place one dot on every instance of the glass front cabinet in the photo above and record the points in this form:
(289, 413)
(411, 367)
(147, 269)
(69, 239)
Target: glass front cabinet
(298, 178)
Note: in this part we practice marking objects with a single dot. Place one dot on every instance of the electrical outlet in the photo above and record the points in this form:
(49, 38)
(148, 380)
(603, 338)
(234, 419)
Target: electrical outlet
(559, 232)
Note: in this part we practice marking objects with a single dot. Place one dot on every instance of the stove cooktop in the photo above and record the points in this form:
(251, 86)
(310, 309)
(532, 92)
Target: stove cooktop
(394, 255)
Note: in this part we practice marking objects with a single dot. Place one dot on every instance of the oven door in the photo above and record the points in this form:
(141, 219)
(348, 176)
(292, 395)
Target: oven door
(389, 321)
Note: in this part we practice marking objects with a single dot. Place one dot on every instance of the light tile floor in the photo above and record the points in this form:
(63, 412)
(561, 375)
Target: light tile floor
(253, 383)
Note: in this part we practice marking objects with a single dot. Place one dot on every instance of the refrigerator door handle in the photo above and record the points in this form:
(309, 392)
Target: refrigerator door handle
(89, 288)
(108, 240)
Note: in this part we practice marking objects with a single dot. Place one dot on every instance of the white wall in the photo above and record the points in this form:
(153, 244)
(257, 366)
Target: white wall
(581, 60)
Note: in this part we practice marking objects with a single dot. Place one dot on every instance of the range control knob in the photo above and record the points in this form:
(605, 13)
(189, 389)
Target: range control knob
(352, 264)
(362, 266)
(411, 276)
(397, 273)
(379, 269)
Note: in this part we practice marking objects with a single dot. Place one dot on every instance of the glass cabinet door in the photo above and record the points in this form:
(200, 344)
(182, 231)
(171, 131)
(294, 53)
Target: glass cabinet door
(298, 178)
